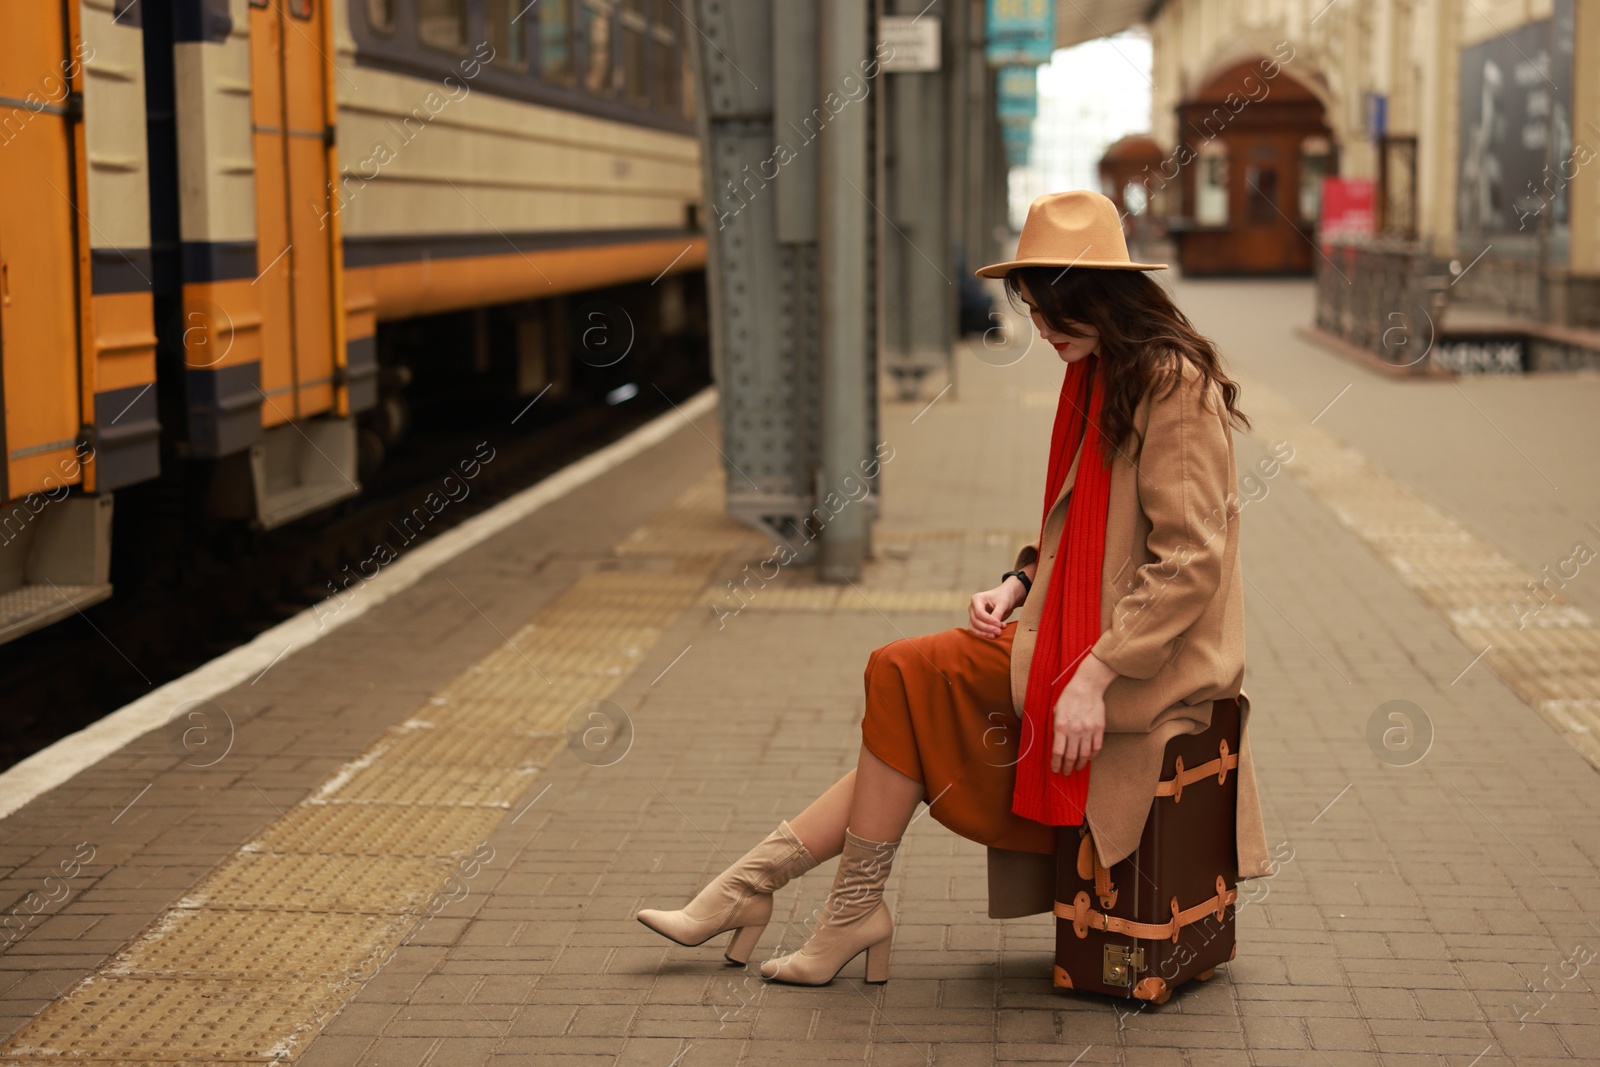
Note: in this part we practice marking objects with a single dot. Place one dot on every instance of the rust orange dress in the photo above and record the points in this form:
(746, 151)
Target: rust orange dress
(939, 712)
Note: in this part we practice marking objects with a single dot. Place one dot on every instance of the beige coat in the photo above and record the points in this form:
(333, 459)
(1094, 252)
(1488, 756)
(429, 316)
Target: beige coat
(1172, 612)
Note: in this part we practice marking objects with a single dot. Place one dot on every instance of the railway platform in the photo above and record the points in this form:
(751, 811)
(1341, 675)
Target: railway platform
(420, 838)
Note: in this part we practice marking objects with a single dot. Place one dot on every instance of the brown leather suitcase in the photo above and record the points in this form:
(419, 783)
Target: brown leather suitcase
(1164, 914)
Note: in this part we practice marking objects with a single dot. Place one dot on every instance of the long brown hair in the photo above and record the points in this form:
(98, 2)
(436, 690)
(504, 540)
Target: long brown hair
(1141, 331)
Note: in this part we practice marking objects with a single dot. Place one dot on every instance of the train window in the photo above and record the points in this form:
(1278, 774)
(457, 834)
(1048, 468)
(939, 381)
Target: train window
(555, 40)
(686, 80)
(668, 65)
(598, 68)
(381, 14)
(442, 23)
(669, 75)
(635, 29)
(300, 9)
(506, 32)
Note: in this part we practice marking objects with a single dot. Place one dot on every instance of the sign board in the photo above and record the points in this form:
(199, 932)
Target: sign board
(1019, 31)
(1516, 157)
(1016, 134)
(913, 41)
(1377, 116)
(1018, 92)
(1346, 209)
(1501, 355)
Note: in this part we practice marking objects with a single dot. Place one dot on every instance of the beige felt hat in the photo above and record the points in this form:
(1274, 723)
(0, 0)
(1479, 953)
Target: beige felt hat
(1075, 229)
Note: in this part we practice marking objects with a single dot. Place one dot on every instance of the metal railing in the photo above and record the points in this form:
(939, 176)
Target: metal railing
(1385, 295)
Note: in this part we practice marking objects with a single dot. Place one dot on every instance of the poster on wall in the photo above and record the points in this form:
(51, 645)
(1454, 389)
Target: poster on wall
(1346, 210)
(1516, 152)
(1019, 31)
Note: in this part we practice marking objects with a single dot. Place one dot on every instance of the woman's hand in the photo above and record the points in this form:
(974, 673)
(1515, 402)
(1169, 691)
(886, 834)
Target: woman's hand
(1080, 716)
(986, 614)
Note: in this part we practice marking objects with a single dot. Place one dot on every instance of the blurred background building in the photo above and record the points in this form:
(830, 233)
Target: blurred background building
(1427, 158)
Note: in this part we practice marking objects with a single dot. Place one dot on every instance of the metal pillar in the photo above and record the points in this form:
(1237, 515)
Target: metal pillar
(987, 177)
(920, 293)
(843, 187)
(796, 371)
(976, 177)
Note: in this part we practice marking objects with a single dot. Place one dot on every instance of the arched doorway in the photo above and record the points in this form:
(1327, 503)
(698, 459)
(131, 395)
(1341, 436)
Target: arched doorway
(1255, 147)
(1131, 160)
(1130, 177)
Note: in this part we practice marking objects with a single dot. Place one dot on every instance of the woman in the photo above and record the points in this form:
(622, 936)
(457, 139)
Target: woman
(1117, 650)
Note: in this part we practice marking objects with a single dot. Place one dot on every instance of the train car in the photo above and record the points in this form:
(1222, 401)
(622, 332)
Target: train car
(502, 158)
(235, 234)
(77, 343)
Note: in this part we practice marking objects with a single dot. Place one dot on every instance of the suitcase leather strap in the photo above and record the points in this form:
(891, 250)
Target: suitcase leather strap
(1089, 865)
(1217, 768)
(1084, 918)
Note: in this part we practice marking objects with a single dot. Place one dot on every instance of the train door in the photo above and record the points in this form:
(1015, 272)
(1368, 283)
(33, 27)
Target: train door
(306, 458)
(297, 231)
(54, 544)
(41, 241)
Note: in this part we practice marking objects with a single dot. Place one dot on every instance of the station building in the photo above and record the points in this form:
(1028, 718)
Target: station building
(1473, 120)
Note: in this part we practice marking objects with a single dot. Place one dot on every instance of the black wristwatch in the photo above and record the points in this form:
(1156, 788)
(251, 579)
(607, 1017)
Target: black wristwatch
(1027, 583)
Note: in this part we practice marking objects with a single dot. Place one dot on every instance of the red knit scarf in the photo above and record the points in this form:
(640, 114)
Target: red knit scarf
(1070, 622)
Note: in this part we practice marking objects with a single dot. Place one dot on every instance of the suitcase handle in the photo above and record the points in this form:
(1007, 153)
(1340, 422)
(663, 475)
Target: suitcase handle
(1084, 918)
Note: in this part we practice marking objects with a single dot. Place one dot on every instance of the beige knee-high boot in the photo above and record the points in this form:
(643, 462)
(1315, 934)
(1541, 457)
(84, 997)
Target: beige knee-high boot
(854, 920)
(738, 899)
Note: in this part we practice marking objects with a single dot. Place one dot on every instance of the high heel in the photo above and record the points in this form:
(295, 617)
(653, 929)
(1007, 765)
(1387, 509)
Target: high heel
(854, 920)
(878, 962)
(743, 943)
(738, 899)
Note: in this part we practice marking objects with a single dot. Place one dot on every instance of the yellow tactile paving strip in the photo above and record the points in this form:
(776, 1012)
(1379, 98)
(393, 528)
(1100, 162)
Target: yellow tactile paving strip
(377, 829)
(250, 966)
(889, 539)
(210, 942)
(886, 587)
(1549, 655)
(182, 1020)
(297, 881)
(859, 598)
(697, 526)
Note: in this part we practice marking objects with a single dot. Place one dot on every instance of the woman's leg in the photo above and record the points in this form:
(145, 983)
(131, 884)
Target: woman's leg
(884, 800)
(821, 825)
(854, 918)
(874, 801)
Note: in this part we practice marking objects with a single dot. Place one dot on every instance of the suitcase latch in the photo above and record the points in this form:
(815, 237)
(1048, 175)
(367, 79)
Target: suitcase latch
(1121, 962)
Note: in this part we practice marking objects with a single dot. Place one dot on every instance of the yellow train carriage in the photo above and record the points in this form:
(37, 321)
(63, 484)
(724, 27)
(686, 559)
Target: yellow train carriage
(395, 159)
(268, 384)
(77, 344)
(208, 207)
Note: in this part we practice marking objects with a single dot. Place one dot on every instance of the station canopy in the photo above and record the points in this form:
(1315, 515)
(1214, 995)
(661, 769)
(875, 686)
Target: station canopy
(1078, 21)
